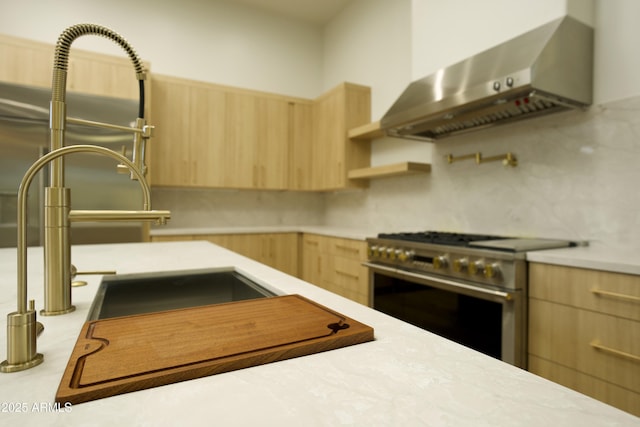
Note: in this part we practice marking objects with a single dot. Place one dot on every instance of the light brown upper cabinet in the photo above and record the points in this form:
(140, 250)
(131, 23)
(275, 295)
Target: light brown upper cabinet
(30, 63)
(218, 137)
(189, 120)
(333, 153)
(300, 143)
(223, 137)
(256, 142)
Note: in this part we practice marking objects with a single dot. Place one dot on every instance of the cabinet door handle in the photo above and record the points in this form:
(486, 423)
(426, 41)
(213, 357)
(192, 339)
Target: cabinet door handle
(346, 248)
(596, 344)
(350, 275)
(600, 292)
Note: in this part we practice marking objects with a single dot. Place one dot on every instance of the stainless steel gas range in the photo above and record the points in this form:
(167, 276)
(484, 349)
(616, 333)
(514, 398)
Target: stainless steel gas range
(469, 288)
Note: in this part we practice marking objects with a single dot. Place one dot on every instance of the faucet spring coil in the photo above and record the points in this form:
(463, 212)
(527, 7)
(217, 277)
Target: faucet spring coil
(63, 45)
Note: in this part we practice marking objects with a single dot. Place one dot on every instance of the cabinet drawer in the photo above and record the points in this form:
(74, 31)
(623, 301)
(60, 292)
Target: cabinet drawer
(352, 249)
(314, 242)
(346, 277)
(346, 272)
(611, 293)
(605, 392)
(603, 346)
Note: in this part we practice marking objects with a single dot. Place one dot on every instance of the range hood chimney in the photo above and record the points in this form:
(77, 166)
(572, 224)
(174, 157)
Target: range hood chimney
(546, 70)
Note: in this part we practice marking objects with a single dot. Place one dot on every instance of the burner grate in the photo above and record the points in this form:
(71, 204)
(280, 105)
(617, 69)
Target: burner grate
(439, 238)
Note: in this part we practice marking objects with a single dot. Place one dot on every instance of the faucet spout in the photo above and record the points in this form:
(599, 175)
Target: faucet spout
(158, 216)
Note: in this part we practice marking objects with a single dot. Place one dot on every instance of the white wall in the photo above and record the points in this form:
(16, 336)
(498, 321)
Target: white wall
(445, 32)
(370, 43)
(209, 40)
(617, 62)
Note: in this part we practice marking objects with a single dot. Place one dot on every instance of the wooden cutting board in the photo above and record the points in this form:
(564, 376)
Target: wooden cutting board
(125, 354)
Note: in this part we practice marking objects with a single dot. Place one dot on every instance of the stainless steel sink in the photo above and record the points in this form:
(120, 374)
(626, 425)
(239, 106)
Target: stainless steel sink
(124, 295)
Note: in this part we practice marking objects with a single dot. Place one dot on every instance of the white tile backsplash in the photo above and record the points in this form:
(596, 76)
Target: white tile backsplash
(191, 208)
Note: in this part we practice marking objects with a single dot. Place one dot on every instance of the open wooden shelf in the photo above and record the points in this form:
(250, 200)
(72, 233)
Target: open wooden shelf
(366, 132)
(396, 169)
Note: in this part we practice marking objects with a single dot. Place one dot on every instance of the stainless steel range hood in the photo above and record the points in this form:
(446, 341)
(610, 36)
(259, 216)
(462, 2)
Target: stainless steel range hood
(543, 71)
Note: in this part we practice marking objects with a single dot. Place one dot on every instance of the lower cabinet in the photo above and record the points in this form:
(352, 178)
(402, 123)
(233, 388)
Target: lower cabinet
(335, 264)
(584, 332)
(277, 250)
(332, 263)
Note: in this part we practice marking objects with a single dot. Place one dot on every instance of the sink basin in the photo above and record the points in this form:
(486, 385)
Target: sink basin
(125, 295)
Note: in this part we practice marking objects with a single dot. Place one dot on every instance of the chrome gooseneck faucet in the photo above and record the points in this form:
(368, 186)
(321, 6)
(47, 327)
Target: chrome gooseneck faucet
(22, 327)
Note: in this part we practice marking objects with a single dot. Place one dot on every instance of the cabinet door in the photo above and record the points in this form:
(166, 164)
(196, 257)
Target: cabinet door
(311, 269)
(169, 147)
(300, 144)
(188, 143)
(25, 62)
(241, 134)
(333, 154)
(257, 135)
(280, 251)
(328, 148)
(272, 144)
(205, 142)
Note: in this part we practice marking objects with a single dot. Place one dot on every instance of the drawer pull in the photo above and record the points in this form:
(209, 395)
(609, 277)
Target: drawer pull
(352, 276)
(602, 293)
(347, 248)
(596, 344)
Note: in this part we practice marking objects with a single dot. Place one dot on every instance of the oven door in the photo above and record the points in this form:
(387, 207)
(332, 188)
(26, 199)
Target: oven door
(488, 320)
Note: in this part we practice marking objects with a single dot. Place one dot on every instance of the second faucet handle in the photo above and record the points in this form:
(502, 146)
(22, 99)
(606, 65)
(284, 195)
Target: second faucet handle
(75, 272)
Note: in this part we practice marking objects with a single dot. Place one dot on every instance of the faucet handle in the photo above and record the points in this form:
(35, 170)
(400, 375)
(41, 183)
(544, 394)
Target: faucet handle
(74, 272)
(122, 168)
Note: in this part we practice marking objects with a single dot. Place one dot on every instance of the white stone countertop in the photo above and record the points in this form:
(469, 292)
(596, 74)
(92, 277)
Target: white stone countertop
(406, 377)
(595, 256)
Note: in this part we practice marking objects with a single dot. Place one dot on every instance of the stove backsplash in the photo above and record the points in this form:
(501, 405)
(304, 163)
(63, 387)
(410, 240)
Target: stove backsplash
(577, 178)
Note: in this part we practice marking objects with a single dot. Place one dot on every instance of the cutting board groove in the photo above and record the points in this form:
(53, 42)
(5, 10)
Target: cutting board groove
(120, 355)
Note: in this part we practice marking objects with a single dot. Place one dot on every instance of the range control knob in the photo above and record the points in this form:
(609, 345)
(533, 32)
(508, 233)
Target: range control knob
(373, 251)
(492, 270)
(460, 264)
(476, 267)
(392, 253)
(440, 262)
(382, 251)
(406, 256)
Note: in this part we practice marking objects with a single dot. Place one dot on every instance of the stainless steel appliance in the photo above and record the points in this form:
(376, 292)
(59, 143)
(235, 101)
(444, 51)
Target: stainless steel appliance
(546, 70)
(469, 288)
(24, 137)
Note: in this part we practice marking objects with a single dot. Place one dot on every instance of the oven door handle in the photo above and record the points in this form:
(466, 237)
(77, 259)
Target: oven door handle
(488, 294)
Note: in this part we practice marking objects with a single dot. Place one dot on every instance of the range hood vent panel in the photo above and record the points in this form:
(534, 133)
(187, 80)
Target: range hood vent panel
(546, 70)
